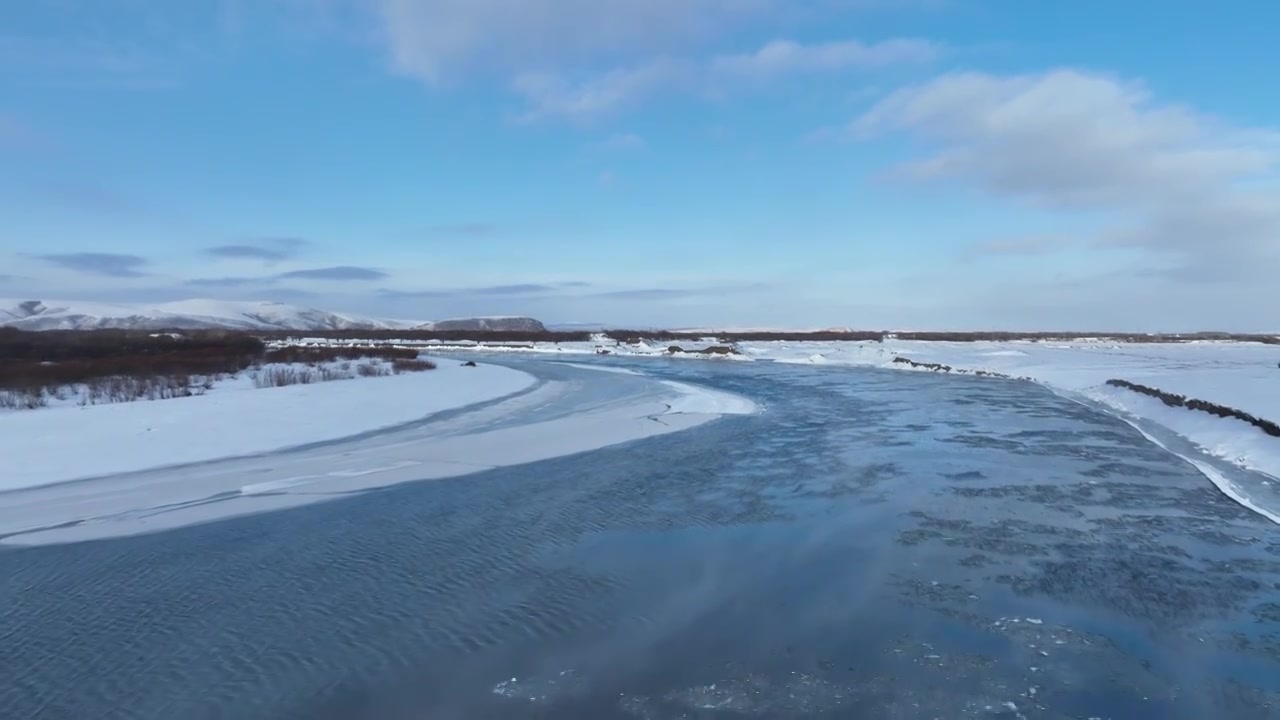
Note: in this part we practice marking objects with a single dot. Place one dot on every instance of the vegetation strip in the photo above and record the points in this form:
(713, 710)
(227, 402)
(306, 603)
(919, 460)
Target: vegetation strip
(632, 337)
(1173, 400)
(635, 336)
(938, 367)
(109, 366)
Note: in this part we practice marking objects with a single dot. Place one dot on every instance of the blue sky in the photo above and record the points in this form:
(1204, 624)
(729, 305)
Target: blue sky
(865, 163)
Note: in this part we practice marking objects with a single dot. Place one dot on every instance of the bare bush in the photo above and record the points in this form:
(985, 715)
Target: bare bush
(23, 399)
(1222, 411)
(110, 366)
(329, 373)
(404, 366)
(388, 336)
(315, 355)
(376, 369)
(284, 375)
(280, 377)
(57, 364)
(125, 388)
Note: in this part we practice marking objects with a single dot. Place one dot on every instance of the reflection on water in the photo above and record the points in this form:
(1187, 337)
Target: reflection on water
(876, 545)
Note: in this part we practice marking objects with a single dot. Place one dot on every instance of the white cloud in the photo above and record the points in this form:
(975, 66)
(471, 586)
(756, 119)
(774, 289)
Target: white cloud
(551, 95)
(437, 40)
(1074, 141)
(624, 141)
(579, 60)
(785, 56)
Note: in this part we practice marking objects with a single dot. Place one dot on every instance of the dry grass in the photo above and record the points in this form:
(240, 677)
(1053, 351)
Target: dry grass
(286, 375)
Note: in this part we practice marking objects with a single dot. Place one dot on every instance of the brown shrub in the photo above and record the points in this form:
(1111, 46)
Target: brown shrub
(315, 355)
(44, 362)
(486, 336)
(416, 365)
(23, 399)
(281, 377)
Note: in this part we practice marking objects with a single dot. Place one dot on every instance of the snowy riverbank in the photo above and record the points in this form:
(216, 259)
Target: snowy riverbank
(60, 444)
(1239, 375)
(223, 442)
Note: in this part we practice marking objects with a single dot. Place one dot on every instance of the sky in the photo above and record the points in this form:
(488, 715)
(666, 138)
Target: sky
(886, 164)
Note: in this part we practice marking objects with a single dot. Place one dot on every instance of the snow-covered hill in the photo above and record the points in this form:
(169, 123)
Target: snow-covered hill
(489, 324)
(231, 315)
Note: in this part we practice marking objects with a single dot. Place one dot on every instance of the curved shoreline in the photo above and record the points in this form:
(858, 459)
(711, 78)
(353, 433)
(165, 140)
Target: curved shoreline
(567, 411)
(1219, 480)
(1241, 373)
(143, 436)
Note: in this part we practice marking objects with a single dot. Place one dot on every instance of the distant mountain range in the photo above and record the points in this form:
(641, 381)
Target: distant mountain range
(222, 314)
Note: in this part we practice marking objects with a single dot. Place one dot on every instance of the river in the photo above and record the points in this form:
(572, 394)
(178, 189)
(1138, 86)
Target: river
(875, 544)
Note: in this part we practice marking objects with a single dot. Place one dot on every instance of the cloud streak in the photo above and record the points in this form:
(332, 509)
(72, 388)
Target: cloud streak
(266, 249)
(782, 57)
(475, 229)
(552, 95)
(230, 282)
(492, 291)
(340, 272)
(102, 264)
(437, 41)
(1027, 246)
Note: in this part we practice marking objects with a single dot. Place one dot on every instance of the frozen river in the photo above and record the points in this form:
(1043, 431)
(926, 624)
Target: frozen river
(874, 545)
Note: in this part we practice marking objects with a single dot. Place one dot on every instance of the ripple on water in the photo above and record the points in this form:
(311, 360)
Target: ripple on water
(864, 544)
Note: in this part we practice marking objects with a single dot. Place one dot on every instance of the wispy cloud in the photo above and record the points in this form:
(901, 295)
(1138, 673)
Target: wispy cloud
(552, 95)
(679, 293)
(648, 294)
(230, 282)
(624, 141)
(1030, 245)
(267, 249)
(90, 198)
(476, 229)
(782, 57)
(339, 272)
(104, 264)
(581, 59)
(19, 135)
(438, 41)
(575, 290)
(512, 290)
(67, 61)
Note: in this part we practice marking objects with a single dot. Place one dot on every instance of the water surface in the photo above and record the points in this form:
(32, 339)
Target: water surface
(875, 545)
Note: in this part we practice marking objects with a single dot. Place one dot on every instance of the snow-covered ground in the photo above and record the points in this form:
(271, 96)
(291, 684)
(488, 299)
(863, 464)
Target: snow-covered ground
(59, 444)
(564, 411)
(1244, 376)
(238, 315)
(27, 314)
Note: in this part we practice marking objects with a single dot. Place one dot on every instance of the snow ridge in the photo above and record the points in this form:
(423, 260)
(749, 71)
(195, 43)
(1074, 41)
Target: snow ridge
(220, 314)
